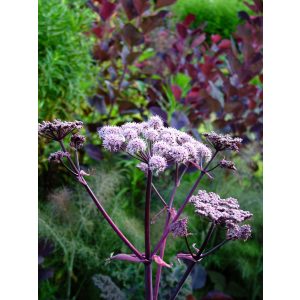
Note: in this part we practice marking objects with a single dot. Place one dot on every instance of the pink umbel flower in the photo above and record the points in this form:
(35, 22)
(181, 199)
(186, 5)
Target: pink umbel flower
(58, 130)
(217, 210)
(113, 142)
(143, 167)
(236, 232)
(107, 130)
(223, 142)
(157, 164)
(136, 145)
(149, 139)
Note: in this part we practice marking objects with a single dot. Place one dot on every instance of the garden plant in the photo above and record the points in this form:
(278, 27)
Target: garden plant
(157, 149)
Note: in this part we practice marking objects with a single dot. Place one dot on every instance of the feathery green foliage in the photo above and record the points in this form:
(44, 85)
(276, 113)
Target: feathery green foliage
(66, 70)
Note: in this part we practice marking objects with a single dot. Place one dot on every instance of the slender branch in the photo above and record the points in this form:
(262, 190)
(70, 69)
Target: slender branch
(192, 264)
(69, 158)
(148, 266)
(110, 221)
(167, 229)
(213, 168)
(77, 160)
(214, 248)
(188, 247)
(159, 195)
(62, 162)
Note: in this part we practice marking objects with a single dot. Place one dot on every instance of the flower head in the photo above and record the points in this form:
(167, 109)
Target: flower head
(57, 129)
(151, 134)
(130, 133)
(143, 167)
(106, 130)
(223, 142)
(77, 141)
(58, 156)
(161, 148)
(136, 145)
(219, 211)
(113, 142)
(179, 228)
(155, 122)
(179, 154)
(236, 232)
(157, 163)
(227, 164)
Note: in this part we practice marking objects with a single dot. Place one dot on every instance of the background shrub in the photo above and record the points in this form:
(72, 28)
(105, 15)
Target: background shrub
(66, 70)
(221, 16)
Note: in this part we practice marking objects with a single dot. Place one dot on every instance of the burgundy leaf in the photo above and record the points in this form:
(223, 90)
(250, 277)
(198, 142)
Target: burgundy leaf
(179, 120)
(215, 38)
(130, 9)
(189, 19)
(199, 40)
(107, 9)
(162, 3)
(156, 110)
(141, 5)
(215, 295)
(132, 35)
(176, 92)
(151, 22)
(225, 44)
(182, 30)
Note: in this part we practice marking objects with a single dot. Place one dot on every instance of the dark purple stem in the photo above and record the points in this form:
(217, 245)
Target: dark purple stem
(148, 266)
(101, 208)
(192, 264)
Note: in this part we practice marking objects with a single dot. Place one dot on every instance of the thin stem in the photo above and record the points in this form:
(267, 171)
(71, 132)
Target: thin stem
(61, 161)
(213, 168)
(110, 221)
(77, 160)
(167, 229)
(69, 158)
(214, 248)
(192, 264)
(148, 266)
(188, 246)
(159, 195)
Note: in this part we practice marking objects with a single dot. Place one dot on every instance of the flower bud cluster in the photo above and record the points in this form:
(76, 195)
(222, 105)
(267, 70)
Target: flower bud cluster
(179, 228)
(222, 212)
(58, 156)
(154, 144)
(77, 141)
(58, 130)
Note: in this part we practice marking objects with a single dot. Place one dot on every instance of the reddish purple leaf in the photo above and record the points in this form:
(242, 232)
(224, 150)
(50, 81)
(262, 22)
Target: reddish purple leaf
(199, 40)
(107, 9)
(132, 35)
(151, 22)
(177, 92)
(225, 44)
(215, 38)
(130, 9)
(141, 5)
(189, 19)
(162, 3)
(182, 30)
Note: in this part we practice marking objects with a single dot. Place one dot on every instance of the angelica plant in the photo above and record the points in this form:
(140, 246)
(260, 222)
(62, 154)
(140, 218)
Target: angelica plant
(158, 148)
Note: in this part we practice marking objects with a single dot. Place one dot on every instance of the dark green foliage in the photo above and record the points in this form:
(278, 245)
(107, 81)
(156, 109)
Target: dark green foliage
(66, 70)
(220, 16)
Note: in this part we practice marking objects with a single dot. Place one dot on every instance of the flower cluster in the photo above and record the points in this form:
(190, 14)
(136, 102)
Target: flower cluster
(222, 212)
(179, 228)
(77, 141)
(58, 130)
(58, 156)
(223, 142)
(153, 144)
(227, 164)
